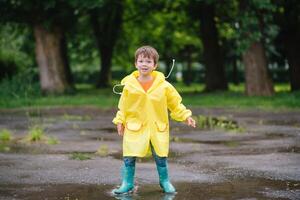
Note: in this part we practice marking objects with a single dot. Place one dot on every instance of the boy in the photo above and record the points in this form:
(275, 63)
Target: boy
(142, 118)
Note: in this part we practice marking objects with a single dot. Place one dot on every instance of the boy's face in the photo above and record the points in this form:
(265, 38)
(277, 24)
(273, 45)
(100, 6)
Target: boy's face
(145, 65)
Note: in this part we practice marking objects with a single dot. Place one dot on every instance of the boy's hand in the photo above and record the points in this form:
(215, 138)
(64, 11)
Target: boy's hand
(190, 122)
(120, 128)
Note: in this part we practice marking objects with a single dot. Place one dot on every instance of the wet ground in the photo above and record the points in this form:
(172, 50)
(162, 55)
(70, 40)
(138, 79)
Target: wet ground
(261, 161)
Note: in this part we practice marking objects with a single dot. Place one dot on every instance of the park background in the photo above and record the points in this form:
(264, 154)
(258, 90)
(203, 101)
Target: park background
(237, 68)
(228, 53)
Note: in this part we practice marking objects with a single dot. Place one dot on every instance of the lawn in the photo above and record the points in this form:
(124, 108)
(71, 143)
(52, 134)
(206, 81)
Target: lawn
(87, 95)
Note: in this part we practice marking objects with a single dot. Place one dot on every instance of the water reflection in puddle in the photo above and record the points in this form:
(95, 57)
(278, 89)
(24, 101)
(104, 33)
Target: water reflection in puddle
(247, 188)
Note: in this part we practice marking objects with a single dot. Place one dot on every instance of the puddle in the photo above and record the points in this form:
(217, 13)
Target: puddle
(291, 149)
(229, 143)
(247, 188)
(277, 135)
(99, 138)
(109, 130)
(27, 148)
(34, 149)
(289, 122)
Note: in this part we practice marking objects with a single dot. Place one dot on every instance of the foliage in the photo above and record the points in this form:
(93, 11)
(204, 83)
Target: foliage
(16, 49)
(209, 122)
(38, 12)
(79, 156)
(4, 147)
(5, 138)
(255, 23)
(21, 86)
(53, 140)
(102, 151)
(35, 134)
(5, 135)
(163, 25)
(170, 26)
(83, 53)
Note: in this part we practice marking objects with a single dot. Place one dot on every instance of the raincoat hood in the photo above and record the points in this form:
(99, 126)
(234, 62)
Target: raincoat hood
(131, 79)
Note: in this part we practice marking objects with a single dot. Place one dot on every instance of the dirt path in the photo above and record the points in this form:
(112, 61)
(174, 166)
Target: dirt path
(262, 162)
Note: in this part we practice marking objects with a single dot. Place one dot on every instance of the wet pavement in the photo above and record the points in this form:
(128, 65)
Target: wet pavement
(260, 162)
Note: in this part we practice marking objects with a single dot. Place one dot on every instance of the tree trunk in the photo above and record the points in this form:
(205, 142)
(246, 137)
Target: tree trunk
(106, 23)
(235, 74)
(51, 56)
(292, 50)
(257, 78)
(187, 79)
(105, 71)
(215, 74)
(291, 39)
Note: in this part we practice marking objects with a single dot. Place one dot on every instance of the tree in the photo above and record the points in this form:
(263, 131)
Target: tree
(51, 55)
(106, 22)
(289, 22)
(204, 11)
(251, 41)
(48, 20)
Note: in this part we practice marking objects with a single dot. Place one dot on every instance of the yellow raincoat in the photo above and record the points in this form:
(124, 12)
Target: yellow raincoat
(145, 115)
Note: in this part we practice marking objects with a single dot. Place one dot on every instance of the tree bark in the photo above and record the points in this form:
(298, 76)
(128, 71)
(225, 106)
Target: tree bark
(235, 74)
(51, 56)
(188, 57)
(257, 78)
(215, 73)
(292, 50)
(291, 39)
(106, 24)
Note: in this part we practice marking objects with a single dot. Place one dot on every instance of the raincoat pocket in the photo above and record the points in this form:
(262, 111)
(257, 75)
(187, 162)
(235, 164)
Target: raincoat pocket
(133, 132)
(134, 126)
(162, 134)
(161, 127)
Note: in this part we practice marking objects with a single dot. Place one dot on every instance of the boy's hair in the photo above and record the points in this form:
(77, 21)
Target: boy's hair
(147, 51)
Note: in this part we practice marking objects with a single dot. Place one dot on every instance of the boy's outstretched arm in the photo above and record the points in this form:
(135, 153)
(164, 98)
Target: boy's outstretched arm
(178, 110)
(190, 122)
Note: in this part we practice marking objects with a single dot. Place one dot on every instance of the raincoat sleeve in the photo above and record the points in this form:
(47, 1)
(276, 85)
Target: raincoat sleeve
(120, 117)
(177, 109)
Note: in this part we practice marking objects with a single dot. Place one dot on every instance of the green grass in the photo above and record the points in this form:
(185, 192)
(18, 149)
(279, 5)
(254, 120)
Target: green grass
(5, 135)
(192, 96)
(53, 140)
(209, 122)
(4, 147)
(35, 134)
(85, 96)
(102, 151)
(80, 156)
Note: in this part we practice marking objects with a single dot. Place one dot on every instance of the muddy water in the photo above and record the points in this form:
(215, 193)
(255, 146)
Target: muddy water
(247, 188)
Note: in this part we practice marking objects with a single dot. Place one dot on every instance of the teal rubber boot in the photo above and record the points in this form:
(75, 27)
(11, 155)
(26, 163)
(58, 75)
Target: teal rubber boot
(128, 180)
(164, 182)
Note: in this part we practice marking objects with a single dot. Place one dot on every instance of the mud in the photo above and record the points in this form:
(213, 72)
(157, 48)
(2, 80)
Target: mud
(260, 162)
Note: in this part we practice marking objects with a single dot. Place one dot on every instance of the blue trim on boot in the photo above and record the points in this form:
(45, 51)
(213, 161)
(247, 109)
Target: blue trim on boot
(127, 180)
(164, 181)
(162, 169)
